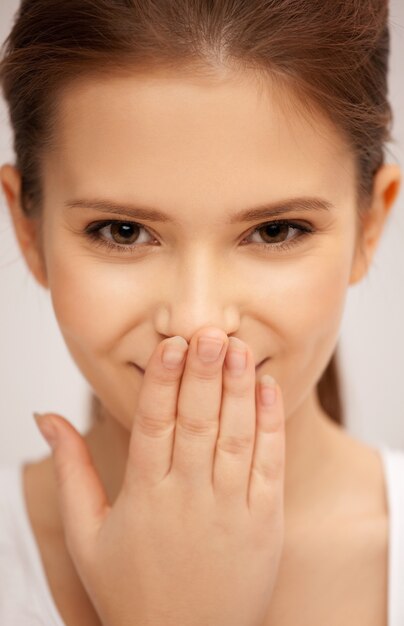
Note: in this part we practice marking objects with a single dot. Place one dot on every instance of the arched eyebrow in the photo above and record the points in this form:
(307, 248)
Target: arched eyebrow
(150, 214)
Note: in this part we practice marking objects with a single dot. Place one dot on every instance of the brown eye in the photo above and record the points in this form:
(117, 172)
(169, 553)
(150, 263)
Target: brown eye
(120, 237)
(275, 233)
(123, 233)
(274, 236)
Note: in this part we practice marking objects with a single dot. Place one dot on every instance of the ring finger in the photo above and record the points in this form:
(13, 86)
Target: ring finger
(235, 443)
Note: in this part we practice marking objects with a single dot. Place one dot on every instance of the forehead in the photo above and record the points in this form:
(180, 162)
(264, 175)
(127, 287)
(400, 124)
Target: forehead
(165, 138)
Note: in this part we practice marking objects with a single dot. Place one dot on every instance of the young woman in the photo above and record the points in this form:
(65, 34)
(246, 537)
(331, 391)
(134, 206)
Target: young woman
(201, 169)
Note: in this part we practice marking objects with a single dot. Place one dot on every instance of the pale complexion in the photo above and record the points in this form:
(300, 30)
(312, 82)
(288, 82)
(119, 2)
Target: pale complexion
(200, 151)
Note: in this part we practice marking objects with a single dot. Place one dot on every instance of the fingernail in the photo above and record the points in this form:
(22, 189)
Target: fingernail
(209, 348)
(174, 352)
(46, 428)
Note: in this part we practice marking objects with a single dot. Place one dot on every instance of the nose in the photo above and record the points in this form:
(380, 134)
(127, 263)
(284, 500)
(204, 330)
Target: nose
(200, 296)
(189, 329)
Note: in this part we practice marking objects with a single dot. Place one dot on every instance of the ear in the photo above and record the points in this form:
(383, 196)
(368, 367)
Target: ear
(26, 228)
(386, 186)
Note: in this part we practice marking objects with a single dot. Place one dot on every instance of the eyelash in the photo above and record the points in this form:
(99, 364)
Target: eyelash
(93, 233)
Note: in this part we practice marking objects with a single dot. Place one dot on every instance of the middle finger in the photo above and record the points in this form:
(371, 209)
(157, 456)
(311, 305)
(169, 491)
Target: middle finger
(198, 409)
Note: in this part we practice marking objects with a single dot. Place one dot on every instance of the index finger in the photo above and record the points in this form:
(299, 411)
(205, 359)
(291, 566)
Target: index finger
(151, 442)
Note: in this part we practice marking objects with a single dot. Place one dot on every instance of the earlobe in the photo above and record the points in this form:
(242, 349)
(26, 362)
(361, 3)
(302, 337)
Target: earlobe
(386, 187)
(26, 228)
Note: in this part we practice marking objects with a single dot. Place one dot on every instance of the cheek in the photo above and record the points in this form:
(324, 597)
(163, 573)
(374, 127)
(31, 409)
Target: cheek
(306, 323)
(310, 305)
(94, 301)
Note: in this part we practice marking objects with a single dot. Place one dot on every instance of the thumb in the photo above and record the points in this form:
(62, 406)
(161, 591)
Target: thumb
(82, 498)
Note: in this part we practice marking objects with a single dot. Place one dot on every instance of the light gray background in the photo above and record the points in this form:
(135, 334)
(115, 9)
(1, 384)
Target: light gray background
(37, 372)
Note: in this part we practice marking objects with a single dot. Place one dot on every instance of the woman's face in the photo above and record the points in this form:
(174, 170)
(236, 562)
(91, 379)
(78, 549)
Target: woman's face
(199, 152)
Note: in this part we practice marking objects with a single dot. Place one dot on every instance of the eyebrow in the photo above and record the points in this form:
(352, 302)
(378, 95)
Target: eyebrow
(150, 214)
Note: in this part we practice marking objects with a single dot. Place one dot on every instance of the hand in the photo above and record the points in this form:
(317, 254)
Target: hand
(195, 535)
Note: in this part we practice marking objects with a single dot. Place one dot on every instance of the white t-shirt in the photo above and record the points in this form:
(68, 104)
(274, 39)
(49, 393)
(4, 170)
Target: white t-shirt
(25, 597)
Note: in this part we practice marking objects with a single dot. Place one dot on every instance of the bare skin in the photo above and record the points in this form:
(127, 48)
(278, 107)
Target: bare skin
(340, 545)
(237, 151)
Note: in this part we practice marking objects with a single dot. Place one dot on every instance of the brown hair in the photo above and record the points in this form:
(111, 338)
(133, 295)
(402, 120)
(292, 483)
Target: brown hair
(333, 54)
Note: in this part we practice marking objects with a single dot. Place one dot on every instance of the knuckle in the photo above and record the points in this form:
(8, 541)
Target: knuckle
(196, 428)
(164, 377)
(153, 426)
(235, 445)
(271, 470)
